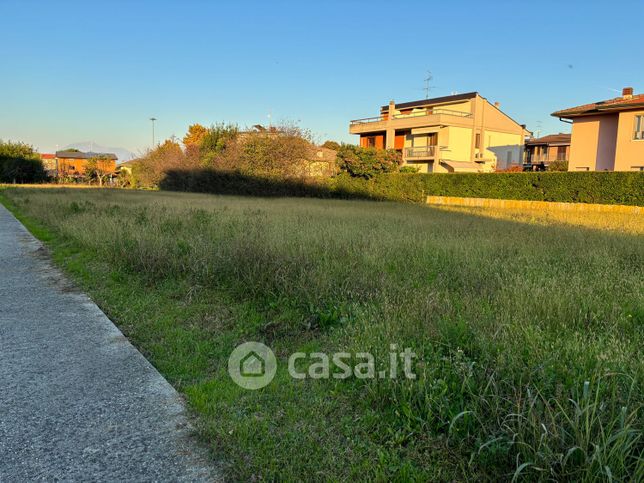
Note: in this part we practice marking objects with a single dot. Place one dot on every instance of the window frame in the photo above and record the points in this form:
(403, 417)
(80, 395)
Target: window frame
(638, 127)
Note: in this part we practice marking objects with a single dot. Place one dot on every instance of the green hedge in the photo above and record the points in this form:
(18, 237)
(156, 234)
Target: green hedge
(21, 170)
(625, 188)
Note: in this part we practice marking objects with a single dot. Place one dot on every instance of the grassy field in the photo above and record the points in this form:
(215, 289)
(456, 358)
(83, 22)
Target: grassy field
(529, 329)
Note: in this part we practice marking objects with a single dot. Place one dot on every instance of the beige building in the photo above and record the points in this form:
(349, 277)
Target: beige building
(607, 135)
(540, 152)
(459, 133)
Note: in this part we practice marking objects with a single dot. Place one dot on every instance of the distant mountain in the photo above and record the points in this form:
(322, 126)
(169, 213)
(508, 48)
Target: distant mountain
(122, 153)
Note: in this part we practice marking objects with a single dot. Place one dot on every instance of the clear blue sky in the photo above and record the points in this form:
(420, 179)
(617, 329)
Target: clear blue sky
(79, 71)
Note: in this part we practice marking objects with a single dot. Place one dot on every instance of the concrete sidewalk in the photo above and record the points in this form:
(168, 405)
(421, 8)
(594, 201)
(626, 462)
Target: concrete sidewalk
(77, 400)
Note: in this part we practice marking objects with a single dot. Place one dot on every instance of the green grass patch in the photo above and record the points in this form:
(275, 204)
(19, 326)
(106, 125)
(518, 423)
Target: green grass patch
(529, 360)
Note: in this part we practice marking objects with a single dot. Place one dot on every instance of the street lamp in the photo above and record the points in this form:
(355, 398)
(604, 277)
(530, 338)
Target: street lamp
(153, 119)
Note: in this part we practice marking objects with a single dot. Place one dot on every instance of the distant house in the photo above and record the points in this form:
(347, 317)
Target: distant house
(546, 149)
(607, 135)
(457, 133)
(50, 163)
(74, 163)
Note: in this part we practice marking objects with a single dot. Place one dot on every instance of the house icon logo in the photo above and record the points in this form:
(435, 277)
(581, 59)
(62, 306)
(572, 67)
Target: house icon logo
(252, 365)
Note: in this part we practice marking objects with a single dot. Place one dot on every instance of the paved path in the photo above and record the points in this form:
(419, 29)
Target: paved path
(77, 401)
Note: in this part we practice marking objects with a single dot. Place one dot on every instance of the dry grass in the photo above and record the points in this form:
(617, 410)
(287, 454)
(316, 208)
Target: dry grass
(617, 222)
(529, 328)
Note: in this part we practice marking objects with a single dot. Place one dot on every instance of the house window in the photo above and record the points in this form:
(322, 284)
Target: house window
(371, 142)
(561, 153)
(477, 141)
(639, 128)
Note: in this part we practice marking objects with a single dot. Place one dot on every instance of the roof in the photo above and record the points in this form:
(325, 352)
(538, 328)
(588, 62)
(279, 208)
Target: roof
(47, 156)
(560, 138)
(435, 100)
(602, 107)
(82, 155)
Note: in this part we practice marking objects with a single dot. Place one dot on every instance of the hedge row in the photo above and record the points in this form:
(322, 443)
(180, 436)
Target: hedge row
(625, 188)
(21, 170)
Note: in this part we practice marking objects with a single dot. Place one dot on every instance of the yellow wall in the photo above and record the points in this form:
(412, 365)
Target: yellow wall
(629, 155)
(593, 143)
(459, 142)
(497, 145)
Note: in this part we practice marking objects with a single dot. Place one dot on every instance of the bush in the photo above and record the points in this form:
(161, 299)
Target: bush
(558, 166)
(19, 163)
(150, 169)
(279, 152)
(331, 145)
(367, 162)
(408, 169)
(626, 188)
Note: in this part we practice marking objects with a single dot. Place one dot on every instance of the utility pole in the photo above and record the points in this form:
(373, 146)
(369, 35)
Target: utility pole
(153, 119)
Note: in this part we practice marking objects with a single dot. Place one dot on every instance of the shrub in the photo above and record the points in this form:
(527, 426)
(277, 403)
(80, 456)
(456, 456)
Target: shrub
(558, 166)
(331, 145)
(150, 169)
(367, 162)
(408, 169)
(19, 163)
(216, 139)
(280, 152)
(589, 187)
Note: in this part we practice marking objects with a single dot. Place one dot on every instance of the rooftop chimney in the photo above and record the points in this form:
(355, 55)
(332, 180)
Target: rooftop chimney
(627, 93)
(497, 105)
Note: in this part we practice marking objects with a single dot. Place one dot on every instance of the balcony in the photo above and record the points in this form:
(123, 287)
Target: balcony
(544, 158)
(429, 112)
(427, 117)
(419, 153)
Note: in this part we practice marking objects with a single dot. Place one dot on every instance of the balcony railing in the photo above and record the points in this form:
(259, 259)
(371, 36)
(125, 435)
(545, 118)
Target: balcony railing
(430, 112)
(420, 152)
(545, 159)
(426, 112)
(367, 120)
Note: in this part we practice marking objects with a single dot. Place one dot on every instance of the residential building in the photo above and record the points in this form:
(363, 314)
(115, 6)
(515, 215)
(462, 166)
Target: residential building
(74, 163)
(607, 135)
(544, 150)
(458, 133)
(50, 163)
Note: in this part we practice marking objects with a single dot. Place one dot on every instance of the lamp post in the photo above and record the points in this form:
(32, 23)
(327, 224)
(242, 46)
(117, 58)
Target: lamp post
(153, 119)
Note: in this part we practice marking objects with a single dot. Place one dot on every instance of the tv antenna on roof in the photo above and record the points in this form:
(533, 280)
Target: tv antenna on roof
(428, 84)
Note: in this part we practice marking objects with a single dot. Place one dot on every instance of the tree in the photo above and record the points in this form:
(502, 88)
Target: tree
(281, 152)
(149, 169)
(195, 135)
(19, 163)
(95, 169)
(331, 145)
(367, 162)
(215, 141)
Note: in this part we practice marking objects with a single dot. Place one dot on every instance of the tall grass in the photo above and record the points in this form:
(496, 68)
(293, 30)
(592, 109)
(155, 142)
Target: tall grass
(529, 336)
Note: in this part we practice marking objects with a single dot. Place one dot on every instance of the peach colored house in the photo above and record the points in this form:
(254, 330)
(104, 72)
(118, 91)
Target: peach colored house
(607, 135)
(457, 133)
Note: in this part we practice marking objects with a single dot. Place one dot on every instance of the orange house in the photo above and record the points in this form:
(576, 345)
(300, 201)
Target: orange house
(607, 135)
(74, 163)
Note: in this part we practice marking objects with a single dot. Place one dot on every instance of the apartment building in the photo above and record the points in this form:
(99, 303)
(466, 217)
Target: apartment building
(458, 133)
(607, 135)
